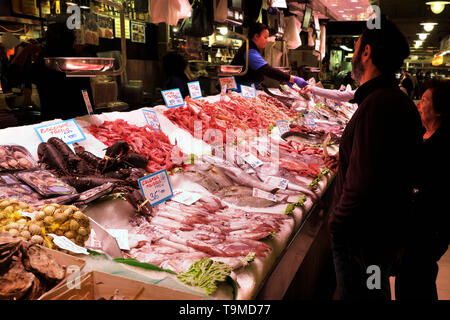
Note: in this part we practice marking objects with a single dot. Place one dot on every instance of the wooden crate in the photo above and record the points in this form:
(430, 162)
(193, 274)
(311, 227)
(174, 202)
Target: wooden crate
(96, 285)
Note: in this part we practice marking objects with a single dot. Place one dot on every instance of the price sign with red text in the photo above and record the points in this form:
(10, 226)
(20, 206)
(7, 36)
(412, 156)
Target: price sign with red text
(68, 131)
(156, 187)
(229, 81)
(173, 98)
(151, 118)
(194, 90)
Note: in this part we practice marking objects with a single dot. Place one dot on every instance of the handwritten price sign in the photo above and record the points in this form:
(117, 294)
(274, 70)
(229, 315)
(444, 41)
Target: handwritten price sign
(309, 119)
(248, 92)
(68, 131)
(156, 187)
(173, 98)
(229, 81)
(283, 127)
(151, 118)
(194, 90)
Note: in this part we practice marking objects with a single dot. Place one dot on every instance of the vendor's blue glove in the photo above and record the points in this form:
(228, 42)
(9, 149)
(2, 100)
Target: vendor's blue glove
(300, 82)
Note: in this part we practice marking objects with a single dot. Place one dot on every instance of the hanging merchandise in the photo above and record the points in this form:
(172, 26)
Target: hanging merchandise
(292, 33)
(168, 11)
(323, 37)
(311, 42)
(220, 10)
(200, 23)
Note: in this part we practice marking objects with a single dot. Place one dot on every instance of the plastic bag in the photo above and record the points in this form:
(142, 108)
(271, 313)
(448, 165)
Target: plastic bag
(169, 11)
(220, 10)
(200, 23)
(292, 33)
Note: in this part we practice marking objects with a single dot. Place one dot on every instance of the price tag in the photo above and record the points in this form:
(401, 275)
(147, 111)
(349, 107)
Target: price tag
(151, 118)
(87, 102)
(156, 187)
(229, 81)
(185, 197)
(248, 92)
(194, 90)
(309, 119)
(121, 236)
(65, 243)
(277, 182)
(258, 193)
(253, 161)
(68, 131)
(250, 171)
(283, 127)
(173, 98)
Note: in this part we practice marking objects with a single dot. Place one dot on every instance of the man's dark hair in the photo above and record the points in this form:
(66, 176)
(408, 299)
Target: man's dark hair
(388, 45)
(174, 64)
(256, 28)
(440, 91)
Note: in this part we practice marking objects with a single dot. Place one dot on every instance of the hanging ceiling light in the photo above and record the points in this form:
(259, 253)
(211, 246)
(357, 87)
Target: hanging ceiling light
(428, 26)
(437, 6)
(422, 36)
(418, 43)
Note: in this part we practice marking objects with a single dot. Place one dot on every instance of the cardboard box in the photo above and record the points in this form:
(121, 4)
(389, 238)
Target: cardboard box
(96, 285)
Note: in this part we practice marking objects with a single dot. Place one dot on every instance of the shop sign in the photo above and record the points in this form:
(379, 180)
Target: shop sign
(248, 92)
(309, 119)
(156, 187)
(229, 81)
(173, 98)
(151, 118)
(68, 131)
(137, 32)
(194, 90)
(283, 127)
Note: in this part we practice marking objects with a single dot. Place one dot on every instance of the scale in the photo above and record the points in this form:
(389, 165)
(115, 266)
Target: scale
(231, 70)
(90, 67)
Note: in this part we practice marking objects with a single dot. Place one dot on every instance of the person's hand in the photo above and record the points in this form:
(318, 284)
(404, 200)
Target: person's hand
(300, 82)
(306, 90)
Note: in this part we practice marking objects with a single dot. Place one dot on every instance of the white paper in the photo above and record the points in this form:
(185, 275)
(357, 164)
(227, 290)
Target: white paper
(258, 193)
(121, 236)
(65, 243)
(277, 182)
(185, 197)
(252, 160)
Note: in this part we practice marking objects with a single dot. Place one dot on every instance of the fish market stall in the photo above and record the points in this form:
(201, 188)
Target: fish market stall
(246, 189)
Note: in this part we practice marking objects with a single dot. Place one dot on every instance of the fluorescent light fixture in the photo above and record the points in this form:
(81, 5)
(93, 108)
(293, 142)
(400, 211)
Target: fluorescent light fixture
(346, 48)
(422, 36)
(428, 26)
(437, 6)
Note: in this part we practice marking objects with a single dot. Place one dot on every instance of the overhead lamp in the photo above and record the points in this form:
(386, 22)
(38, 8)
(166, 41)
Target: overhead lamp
(422, 36)
(428, 26)
(437, 6)
(223, 30)
(346, 48)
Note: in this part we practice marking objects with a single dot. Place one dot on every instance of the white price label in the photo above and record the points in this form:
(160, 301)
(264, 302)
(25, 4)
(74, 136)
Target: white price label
(66, 244)
(194, 90)
(283, 127)
(156, 187)
(248, 92)
(309, 119)
(68, 131)
(173, 98)
(185, 197)
(277, 182)
(151, 118)
(258, 193)
(253, 161)
(121, 236)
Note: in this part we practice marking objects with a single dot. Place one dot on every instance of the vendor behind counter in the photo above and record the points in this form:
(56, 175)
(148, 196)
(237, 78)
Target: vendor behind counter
(258, 35)
(60, 96)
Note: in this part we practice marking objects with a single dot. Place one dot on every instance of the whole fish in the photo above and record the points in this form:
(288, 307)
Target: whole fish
(243, 197)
